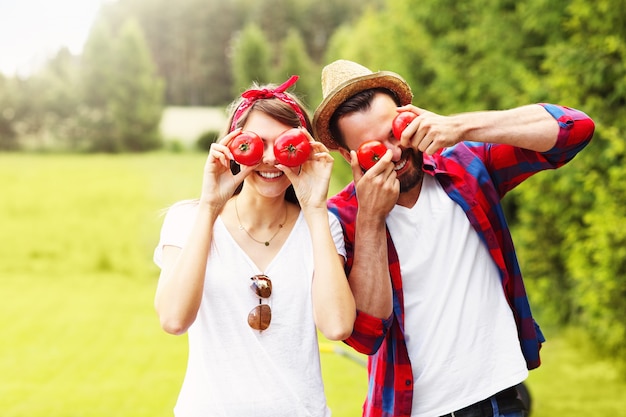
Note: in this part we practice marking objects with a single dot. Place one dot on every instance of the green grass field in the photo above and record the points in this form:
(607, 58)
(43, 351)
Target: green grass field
(79, 333)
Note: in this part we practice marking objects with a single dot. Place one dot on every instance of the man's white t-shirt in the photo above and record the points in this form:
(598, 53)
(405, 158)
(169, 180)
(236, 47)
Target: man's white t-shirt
(460, 331)
(232, 369)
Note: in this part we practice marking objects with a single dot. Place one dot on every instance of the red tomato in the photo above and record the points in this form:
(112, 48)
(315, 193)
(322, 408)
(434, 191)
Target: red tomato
(247, 148)
(369, 153)
(401, 121)
(292, 148)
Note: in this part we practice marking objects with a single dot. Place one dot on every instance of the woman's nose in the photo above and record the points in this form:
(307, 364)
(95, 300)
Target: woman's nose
(268, 154)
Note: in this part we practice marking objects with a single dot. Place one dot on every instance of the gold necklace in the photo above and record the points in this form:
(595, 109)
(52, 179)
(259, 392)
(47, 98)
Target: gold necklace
(265, 242)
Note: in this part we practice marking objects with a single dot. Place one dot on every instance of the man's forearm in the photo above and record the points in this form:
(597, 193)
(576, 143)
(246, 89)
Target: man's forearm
(529, 127)
(369, 277)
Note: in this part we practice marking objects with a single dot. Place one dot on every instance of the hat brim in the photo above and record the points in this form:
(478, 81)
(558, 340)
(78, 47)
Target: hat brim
(382, 79)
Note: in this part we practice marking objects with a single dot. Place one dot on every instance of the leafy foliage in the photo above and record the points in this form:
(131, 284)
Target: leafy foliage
(136, 100)
(122, 96)
(293, 59)
(8, 102)
(251, 59)
(191, 40)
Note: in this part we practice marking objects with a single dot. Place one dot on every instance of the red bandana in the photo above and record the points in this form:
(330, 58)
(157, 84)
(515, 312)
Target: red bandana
(250, 96)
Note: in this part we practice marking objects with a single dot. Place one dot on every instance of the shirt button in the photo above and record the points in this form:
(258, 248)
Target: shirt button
(407, 382)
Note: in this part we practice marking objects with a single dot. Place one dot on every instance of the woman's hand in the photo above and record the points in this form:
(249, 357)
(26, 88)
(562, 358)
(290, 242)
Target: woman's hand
(219, 183)
(311, 180)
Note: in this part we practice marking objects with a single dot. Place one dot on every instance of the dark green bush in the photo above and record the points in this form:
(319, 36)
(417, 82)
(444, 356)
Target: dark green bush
(205, 140)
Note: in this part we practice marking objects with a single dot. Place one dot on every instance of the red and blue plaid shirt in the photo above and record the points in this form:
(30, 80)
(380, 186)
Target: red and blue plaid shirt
(476, 176)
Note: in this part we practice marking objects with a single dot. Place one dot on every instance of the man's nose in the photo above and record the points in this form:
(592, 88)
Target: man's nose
(396, 150)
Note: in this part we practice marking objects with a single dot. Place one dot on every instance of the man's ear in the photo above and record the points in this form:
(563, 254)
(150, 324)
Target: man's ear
(345, 153)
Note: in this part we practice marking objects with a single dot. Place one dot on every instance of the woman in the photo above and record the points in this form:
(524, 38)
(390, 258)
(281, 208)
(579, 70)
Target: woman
(251, 268)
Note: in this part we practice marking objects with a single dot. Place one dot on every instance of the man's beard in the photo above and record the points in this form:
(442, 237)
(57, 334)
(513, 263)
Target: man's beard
(412, 178)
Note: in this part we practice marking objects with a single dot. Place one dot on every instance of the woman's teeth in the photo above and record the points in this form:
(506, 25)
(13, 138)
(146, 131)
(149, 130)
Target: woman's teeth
(270, 175)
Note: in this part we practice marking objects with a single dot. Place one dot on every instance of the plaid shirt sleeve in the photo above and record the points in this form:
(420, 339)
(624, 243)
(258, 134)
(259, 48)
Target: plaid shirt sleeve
(368, 333)
(509, 166)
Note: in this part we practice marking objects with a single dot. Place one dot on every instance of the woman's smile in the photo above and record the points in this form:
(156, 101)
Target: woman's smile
(270, 175)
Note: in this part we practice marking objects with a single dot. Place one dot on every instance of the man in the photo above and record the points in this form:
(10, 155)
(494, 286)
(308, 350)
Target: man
(441, 304)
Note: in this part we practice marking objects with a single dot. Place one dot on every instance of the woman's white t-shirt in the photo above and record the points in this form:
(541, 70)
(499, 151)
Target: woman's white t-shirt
(232, 369)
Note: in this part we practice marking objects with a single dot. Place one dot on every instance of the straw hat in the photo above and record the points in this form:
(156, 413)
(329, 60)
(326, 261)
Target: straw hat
(341, 80)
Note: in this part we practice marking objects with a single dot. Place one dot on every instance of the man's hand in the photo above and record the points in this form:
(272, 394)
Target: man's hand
(430, 132)
(378, 188)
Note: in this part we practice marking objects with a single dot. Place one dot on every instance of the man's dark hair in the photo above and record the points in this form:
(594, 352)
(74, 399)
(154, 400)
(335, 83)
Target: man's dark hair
(359, 102)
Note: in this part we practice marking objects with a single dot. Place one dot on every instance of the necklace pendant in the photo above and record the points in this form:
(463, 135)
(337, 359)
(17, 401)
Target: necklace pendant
(266, 242)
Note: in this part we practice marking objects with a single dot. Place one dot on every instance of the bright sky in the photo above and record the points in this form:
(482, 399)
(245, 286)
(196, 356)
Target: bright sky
(31, 31)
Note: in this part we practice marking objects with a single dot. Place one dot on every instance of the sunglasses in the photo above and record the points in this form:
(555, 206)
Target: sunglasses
(260, 316)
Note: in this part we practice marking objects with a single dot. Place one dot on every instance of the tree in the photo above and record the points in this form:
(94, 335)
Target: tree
(593, 76)
(190, 40)
(251, 59)
(122, 94)
(8, 134)
(294, 60)
(59, 98)
(136, 99)
(95, 121)
(38, 110)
